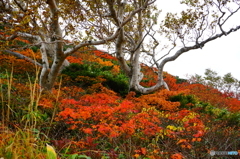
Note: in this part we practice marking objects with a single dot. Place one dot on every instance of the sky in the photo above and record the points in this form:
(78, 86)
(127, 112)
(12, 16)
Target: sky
(221, 55)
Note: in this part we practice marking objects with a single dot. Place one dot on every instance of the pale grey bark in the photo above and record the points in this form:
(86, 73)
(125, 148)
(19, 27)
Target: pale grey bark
(20, 56)
(49, 36)
(160, 81)
(134, 46)
(134, 70)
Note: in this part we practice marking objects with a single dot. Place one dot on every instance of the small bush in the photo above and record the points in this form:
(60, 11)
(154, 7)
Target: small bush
(186, 101)
(86, 75)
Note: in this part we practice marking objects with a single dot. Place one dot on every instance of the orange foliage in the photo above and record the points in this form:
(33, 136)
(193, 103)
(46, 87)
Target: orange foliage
(191, 122)
(149, 78)
(99, 88)
(104, 55)
(104, 110)
(172, 82)
(177, 156)
(204, 93)
(71, 92)
(20, 65)
(115, 70)
(31, 54)
(233, 104)
(91, 57)
(46, 103)
(158, 100)
(101, 62)
(73, 59)
(105, 115)
(215, 97)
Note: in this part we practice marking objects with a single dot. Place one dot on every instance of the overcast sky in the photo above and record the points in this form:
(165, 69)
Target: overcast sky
(221, 55)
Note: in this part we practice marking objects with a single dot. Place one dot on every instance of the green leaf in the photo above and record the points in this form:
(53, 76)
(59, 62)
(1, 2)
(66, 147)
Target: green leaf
(73, 156)
(84, 156)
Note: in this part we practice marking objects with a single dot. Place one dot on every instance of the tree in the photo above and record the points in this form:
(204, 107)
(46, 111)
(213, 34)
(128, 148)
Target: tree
(125, 25)
(226, 84)
(202, 22)
(48, 23)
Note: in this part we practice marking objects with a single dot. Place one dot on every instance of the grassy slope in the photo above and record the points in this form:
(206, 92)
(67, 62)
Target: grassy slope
(90, 112)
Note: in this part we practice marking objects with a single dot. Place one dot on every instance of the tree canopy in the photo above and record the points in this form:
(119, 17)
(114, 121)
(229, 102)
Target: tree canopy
(130, 28)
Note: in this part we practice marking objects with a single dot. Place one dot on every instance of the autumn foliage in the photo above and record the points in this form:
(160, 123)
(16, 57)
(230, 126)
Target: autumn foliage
(83, 114)
(205, 94)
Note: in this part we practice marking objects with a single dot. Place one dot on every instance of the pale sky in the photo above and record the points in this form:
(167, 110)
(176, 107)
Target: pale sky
(221, 55)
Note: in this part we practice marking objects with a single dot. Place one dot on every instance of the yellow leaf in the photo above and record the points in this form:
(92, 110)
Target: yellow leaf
(171, 127)
(51, 153)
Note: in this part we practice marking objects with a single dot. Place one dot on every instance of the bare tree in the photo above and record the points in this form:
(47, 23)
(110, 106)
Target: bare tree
(49, 22)
(201, 23)
(127, 25)
(226, 84)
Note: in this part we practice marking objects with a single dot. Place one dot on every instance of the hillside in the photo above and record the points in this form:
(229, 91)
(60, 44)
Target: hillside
(91, 113)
